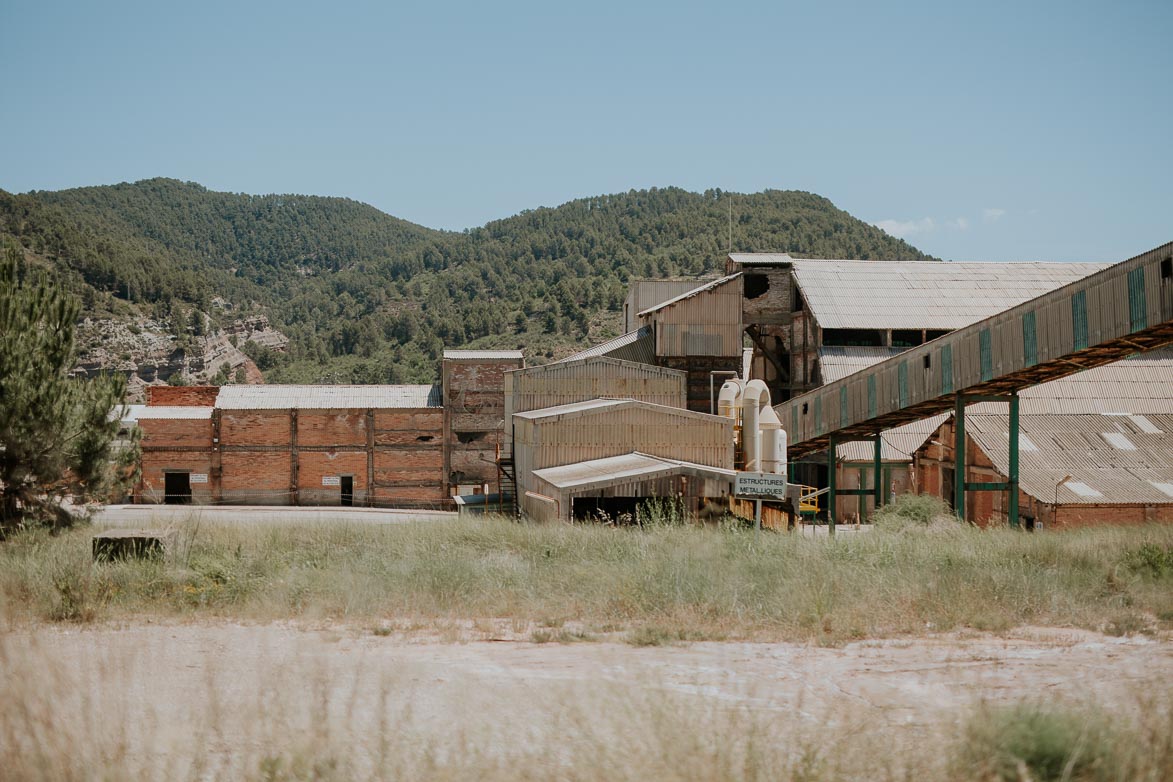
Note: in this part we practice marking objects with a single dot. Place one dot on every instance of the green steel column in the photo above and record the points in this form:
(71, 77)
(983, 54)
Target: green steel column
(959, 457)
(877, 476)
(831, 485)
(1013, 477)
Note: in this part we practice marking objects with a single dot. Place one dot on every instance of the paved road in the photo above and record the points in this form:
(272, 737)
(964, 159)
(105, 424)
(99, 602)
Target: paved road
(150, 515)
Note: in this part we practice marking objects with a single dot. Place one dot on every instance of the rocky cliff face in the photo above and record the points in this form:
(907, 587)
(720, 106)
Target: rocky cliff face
(148, 354)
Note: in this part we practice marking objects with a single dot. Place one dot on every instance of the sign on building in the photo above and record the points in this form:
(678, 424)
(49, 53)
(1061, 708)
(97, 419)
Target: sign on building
(759, 484)
(198, 477)
(331, 480)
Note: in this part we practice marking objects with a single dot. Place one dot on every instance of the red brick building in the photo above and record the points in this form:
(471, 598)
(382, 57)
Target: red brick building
(1074, 470)
(385, 446)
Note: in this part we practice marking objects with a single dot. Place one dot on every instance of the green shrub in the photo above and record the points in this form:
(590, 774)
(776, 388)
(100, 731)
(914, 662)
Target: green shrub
(1150, 560)
(1038, 742)
(914, 510)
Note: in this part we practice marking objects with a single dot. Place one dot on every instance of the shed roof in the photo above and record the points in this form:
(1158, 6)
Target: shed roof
(761, 259)
(596, 405)
(312, 397)
(582, 359)
(1112, 459)
(173, 412)
(482, 355)
(598, 473)
(923, 294)
(638, 346)
(708, 286)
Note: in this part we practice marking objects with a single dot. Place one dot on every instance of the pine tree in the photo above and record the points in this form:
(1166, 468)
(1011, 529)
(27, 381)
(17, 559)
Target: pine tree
(56, 431)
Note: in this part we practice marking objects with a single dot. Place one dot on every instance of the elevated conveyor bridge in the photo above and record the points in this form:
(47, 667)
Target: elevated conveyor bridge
(1124, 309)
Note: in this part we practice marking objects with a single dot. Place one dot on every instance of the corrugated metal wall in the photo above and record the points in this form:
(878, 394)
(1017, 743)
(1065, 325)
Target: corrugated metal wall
(707, 324)
(535, 388)
(612, 431)
(645, 294)
(1098, 319)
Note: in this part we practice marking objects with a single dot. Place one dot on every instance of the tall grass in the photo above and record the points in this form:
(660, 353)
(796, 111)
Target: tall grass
(704, 583)
(102, 717)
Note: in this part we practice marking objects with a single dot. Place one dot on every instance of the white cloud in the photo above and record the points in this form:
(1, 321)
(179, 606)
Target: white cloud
(961, 223)
(903, 228)
(993, 214)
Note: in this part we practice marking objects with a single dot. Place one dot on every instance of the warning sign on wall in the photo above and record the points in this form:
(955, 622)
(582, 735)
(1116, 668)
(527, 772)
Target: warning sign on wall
(331, 480)
(198, 477)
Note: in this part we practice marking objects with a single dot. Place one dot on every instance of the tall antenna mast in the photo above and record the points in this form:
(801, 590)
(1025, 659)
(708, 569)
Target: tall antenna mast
(730, 221)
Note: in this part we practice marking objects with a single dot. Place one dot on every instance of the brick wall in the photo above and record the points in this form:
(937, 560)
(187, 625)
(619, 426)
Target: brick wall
(986, 508)
(402, 450)
(255, 477)
(474, 420)
(182, 396)
(155, 465)
(254, 427)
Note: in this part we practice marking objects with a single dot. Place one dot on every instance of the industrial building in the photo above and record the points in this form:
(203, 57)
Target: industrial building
(407, 446)
(685, 399)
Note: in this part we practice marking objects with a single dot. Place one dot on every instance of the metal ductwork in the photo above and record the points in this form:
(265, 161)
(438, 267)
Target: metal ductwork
(754, 400)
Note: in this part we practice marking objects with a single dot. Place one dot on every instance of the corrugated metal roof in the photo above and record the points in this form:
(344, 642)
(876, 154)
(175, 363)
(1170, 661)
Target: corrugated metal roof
(761, 259)
(600, 404)
(896, 445)
(174, 412)
(637, 346)
(923, 294)
(1076, 445)
(312, 397)
(839, 362)
(1139, 384)
(481, 355)
(620, 469)
(694, 292)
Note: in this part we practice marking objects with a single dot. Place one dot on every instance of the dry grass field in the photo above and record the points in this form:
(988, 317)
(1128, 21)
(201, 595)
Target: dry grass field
(488, 649)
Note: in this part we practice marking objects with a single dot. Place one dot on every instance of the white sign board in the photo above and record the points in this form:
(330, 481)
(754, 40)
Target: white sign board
(759, 484)
(331, 480)
(198, 477)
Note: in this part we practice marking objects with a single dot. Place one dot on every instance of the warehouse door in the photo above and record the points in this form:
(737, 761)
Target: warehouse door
(177, 488)
(347, 491)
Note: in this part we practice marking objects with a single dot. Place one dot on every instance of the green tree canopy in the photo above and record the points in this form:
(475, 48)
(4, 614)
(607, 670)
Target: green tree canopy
(56, 432)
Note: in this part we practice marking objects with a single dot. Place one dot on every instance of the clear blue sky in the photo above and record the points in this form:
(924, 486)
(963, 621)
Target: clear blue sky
(983, 130)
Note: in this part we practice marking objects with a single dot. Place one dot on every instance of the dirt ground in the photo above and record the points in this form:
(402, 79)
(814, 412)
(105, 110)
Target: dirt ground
(244, 683)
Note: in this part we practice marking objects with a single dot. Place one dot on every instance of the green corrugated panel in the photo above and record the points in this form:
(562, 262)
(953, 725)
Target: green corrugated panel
(1079, 320)
(842, 406)
(1138, 316)
(947, 369)
(819, 414)
(902, 382)
(871, 396)
(1030, 339)
(986, 354)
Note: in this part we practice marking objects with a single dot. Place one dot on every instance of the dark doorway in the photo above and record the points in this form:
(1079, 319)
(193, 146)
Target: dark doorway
(177, 488)
(947, 487)
(616, 510)
(347, 491)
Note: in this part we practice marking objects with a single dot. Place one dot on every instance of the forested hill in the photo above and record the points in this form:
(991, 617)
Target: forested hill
(366, 297)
